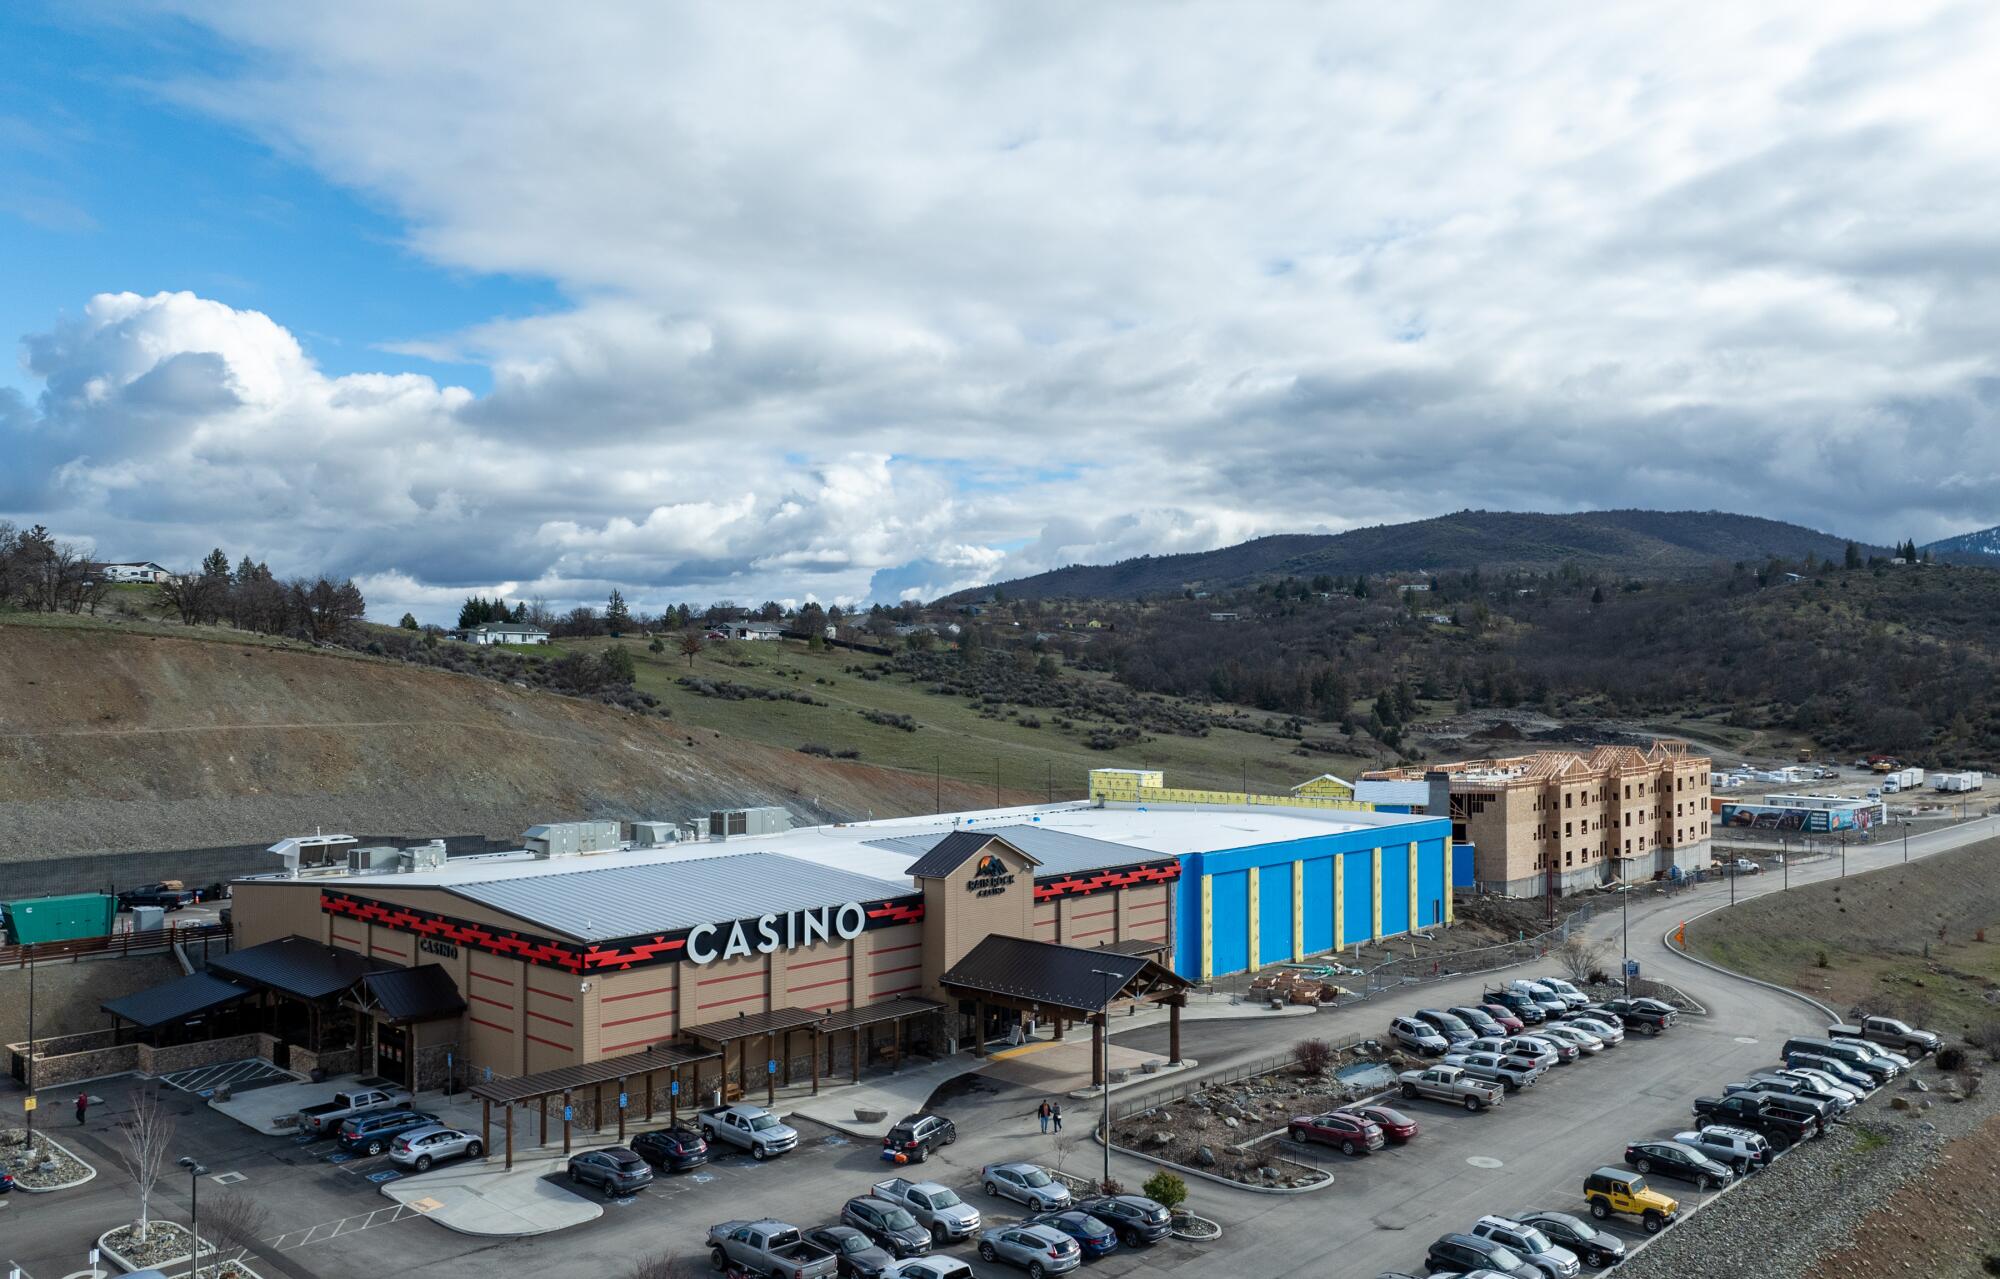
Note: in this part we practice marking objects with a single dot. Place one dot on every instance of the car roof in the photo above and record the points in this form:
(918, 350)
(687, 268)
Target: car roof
(426, 1130)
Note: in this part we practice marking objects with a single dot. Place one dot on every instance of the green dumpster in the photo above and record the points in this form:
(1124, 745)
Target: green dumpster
(66, 918)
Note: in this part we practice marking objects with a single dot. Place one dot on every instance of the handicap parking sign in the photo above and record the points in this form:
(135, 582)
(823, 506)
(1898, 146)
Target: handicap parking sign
(1631, 968)
(621, 1101)
(569, 1113)
(674, 1088)
(771, 1066)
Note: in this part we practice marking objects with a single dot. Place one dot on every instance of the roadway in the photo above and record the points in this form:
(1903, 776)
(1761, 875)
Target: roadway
(1381, 1213)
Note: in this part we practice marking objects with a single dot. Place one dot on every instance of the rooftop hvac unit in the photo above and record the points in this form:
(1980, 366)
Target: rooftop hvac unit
(726, 823)
(374, 859)
(313, 853)
(424, 856)
(571, 839)
(654, 834)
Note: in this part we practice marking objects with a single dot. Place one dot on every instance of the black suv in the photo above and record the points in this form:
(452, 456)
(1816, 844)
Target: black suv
(1682, 1163)
(614, 1169)
(1136, 1218)
(918, 1135)
(671, 1149)
(371, 1134)
(1593, 1247)
(859, 1256)
(888, 1224)
(1463, 1254)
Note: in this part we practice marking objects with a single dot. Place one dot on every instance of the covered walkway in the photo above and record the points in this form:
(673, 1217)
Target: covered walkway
(568, 1081)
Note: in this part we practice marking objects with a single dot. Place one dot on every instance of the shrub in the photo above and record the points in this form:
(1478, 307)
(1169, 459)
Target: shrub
(814, 748)
(1165, 1189)
(1110, 1186)
(1312, 1056)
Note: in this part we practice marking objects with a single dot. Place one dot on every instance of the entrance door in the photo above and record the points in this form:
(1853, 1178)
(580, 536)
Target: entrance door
(392, 1052)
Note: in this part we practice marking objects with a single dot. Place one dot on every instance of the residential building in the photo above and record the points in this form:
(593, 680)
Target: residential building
(754, 631)
(140, 571)
(504, 633)
(1557, 821)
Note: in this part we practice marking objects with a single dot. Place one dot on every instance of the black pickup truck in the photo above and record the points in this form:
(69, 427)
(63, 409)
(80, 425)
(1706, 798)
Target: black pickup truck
(1647, 1016)
(155, 895)
(1782, 1130)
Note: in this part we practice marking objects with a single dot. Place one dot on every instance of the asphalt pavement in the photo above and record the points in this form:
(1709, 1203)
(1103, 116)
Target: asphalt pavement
(329, 1220)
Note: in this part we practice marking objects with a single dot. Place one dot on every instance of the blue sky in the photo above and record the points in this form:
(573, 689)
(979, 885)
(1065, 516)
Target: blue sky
(763, 300)
(106, 185)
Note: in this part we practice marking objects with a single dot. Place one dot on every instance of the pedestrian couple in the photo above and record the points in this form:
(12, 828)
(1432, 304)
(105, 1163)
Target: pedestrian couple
(1050, 1113)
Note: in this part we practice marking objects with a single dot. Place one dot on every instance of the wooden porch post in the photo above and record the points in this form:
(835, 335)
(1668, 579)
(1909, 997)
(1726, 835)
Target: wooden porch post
(673, 1095)
(542, 1104)
(979, 1027)
(649, 1096)
(486, 1123)
(621, 1111)
(770, 1079)
(509, 1116)
(786, 1056)
(597, 1106)
(815, 1057)
(566, 1115)
(1174, 1031)
(854, 1036)
(896, 1062)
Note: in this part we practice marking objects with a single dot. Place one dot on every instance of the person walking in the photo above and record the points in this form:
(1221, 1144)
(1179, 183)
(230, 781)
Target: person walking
(1055, 1115)
(82, 1106)
(1042, 1113)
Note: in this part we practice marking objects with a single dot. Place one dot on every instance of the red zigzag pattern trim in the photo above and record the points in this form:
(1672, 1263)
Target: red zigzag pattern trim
(1098, 881)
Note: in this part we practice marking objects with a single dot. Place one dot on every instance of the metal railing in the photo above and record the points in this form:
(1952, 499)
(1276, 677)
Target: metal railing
(129, 942)
(1422, 969)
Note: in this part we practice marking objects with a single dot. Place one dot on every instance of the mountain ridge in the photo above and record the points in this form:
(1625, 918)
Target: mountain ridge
(1619, 541)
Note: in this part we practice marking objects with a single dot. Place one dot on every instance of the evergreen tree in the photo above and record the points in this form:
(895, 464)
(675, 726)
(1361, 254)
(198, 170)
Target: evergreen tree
(1853, 556)
(1597, 595)
(215, 565)
(617, 618)
(1360, 588)
(409, 622)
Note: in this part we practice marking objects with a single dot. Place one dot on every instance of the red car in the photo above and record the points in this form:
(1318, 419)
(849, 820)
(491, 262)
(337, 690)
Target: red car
(1353, 1134)
(1396, 1126)
(1505, 1016)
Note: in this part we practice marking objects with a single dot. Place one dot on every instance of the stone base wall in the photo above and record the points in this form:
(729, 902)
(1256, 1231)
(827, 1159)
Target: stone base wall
(334, 1061)
(433, 1064)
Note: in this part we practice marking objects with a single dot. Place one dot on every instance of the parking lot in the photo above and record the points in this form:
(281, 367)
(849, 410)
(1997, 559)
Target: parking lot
(329, 1217)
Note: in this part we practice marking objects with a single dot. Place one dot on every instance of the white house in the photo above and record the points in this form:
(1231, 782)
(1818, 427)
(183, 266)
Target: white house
(135, 572)
(754, 631)
(505, 633)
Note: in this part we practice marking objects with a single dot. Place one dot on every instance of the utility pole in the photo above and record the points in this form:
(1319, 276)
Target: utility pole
(1104, 1037)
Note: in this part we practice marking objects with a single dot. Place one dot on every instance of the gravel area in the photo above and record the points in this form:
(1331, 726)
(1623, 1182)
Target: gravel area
(1781, 1223)
(165, 1241)
(48, 1167)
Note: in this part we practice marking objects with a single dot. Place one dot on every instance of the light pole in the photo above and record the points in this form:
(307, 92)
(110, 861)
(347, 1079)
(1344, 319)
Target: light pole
(1625, 936)
(33, 1101)
(1104, 1052)
(195, 1173)
(1906, 841)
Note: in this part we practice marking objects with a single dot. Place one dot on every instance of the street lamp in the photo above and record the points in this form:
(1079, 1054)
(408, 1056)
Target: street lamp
(1625, 934)
(1906, 841)
(1104, 1054)
(195, 1173)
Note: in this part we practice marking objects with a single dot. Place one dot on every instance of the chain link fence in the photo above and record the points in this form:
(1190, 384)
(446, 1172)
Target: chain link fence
(1395, 973)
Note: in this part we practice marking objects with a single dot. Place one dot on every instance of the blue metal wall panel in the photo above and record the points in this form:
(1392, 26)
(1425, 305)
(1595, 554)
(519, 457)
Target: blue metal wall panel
(1187, 918)
(1357, 888)
(1274, 914)
(1396, 889)
(1430, 883)
(1461, 866)
(1230, 946)
(1319, 905)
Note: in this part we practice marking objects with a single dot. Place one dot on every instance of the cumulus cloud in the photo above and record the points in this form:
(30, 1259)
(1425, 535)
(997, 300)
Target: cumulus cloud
(891, 301)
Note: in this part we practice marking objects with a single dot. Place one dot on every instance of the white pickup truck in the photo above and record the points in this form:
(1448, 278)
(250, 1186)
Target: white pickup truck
(326, 1116)
(753, 1128)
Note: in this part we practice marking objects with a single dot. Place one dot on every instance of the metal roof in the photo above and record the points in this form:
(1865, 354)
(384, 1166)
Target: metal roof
(604, 903)
(875, 1014)
(298, 966)
(1392, 792)
(565, 1078)
(425, 993)
(751, 1025)
(176, 1000)
(1058, 852)
(949, 853)
(1058, 976)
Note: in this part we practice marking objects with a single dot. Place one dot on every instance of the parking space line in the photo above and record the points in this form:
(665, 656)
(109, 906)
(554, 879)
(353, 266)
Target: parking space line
(293, 1240)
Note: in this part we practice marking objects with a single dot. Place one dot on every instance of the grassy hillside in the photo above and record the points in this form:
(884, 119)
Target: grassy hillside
(1645, 543)
(1908, 940)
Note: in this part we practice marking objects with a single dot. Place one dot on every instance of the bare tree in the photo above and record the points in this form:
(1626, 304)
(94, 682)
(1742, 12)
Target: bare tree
(192, 595)
(233, 1223)
(147, 1132)
(690, 647)
(666, 1265)
(1580, 957)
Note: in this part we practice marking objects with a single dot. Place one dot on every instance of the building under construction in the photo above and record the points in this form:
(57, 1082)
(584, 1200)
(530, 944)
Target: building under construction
(1560, 820)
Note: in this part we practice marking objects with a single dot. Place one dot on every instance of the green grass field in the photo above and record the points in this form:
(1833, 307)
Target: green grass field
(952, 737)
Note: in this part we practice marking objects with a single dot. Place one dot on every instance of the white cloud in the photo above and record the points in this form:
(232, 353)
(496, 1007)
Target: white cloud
(891, 300)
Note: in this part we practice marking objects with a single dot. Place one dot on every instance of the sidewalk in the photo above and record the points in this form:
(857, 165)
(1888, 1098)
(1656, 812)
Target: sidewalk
(265, 1110)
(896, 1095)
(481, 1198)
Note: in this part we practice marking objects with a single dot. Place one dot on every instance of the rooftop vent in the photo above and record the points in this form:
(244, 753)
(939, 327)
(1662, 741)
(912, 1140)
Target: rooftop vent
(313, 854)
(572, 839)
(725, 823)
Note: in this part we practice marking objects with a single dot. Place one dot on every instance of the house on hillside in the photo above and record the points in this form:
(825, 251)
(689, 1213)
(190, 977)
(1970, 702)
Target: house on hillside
(1224, 617)
(504, 633)
(139, 571)
(754, 631)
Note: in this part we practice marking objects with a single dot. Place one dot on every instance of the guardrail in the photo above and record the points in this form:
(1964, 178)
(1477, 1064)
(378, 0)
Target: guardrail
(128, 942)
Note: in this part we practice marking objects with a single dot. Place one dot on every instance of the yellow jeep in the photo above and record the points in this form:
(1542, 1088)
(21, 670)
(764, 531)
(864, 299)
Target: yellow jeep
(1621, 1190)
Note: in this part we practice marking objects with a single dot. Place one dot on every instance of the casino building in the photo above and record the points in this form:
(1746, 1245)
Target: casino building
(746, 952)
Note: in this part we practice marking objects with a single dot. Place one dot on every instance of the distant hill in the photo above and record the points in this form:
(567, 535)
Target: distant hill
(1982, 547)
(1648, 543)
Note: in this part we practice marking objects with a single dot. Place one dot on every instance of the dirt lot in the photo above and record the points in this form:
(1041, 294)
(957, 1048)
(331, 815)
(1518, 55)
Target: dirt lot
(1914, 938)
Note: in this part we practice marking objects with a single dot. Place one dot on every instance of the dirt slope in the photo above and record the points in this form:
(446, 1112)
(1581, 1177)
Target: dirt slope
(113, 741)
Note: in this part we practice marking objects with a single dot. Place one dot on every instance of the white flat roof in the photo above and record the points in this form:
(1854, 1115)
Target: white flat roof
(1149, 830)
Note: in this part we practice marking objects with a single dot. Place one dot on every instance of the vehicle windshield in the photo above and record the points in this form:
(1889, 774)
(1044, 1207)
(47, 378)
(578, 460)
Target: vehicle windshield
(763, 1122)
(945, 1199)
(855, 1243)
(898, 1219)
(1534, 1240)
(1036, 1177)
(1502, 1258)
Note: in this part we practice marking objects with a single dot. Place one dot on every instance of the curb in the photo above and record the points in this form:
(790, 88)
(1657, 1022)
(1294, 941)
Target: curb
(126, 1264)
(90, 1172)
(1667, 940)
(1097, 1136)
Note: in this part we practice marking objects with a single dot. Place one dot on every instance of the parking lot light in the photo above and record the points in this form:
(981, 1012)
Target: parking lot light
(195, 1173)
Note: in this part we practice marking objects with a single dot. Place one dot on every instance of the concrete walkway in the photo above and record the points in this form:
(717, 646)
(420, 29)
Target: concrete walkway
(480, 1197)
(896, 1096)
(270, 1110)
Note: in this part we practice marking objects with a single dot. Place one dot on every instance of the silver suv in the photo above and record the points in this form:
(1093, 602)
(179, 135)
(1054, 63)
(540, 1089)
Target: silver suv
(1039, 1250)
(1530, 1245)
(1737, 1149)
(421, 1147)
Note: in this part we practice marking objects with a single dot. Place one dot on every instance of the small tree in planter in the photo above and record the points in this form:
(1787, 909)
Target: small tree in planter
(1167, 1189)
(147, 1131)
(233, 1223)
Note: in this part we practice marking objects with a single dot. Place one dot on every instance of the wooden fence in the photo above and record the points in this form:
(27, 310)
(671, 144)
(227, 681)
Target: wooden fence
(122, 943)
